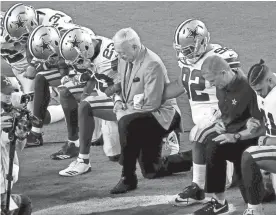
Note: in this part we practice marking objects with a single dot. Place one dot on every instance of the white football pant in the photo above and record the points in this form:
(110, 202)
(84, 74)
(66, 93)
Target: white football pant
(111, 139)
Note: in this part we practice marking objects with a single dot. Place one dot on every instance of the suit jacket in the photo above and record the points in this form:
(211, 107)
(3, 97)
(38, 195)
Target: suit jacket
(148, 77)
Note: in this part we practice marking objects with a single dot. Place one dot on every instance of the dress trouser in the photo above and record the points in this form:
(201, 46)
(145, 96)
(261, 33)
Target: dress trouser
(216, 156)
(141, 138)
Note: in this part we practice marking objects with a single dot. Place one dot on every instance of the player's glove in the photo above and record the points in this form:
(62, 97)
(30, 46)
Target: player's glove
(30, 72)
(103, 81)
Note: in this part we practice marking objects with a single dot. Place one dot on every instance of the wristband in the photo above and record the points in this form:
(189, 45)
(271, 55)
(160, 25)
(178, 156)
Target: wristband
(117, 101)
(262, 140)
(116, 97)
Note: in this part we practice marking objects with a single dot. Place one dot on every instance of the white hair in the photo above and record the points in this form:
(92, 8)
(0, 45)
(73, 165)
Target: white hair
(127, 35)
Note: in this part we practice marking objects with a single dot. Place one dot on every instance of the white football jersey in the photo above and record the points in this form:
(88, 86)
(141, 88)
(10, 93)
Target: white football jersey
(202, 96)
(107, 60)
(267, 106)
(50, 17)
(14, 53)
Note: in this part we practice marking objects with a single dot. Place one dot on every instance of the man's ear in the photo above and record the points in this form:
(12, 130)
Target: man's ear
(269, 80)
(134, 47)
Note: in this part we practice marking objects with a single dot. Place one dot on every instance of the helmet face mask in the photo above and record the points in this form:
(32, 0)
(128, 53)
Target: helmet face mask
(43, 44)
(190, 41)
(19, 21)
(76, 47)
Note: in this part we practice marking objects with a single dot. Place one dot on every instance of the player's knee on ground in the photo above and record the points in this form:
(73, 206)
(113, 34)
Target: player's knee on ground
(149, 175)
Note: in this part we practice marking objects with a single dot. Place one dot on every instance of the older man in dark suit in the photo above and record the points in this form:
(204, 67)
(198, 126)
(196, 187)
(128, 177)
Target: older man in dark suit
(143, 118)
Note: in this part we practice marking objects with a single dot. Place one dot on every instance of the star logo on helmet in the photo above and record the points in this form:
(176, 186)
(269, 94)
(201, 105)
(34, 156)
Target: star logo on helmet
(45, 45)
(193, 33)
(7, 81)
(75, 42)
(19, 23)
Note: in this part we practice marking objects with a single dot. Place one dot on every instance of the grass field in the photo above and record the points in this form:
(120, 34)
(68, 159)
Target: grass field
(247, 27)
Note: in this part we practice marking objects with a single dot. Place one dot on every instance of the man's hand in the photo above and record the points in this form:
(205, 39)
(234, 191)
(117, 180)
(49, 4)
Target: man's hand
(103, 81)
(119, 105)
(225, 138)
(220, 127)
(30, 72)
(253, 125)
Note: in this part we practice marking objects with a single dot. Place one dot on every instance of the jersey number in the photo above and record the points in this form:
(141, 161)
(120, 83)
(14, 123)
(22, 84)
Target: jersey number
(108, 52)
(10, 55)
(270, 121)
(55, 18)
(221, 50)
(2, 28)
(199, 84)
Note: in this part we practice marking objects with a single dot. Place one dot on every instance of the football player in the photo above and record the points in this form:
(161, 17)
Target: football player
(192, 45)
(263, 81)
(16, 25)
(97, 56)
(43, 47)
(99, 53)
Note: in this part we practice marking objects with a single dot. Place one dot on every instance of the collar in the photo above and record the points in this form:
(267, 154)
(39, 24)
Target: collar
(234, 85)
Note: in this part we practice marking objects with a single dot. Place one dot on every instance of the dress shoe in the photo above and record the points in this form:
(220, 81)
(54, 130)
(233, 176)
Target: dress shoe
(125, 185)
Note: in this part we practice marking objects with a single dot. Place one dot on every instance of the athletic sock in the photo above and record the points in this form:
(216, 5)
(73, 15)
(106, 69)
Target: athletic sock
(199, 171)
(84, 158)
(76, 142)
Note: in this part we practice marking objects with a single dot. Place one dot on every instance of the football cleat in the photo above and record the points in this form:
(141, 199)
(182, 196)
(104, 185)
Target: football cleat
(190, 195)
(213, 207)
(77, 167)
(250, 211)
(67, 151)
(34, 139)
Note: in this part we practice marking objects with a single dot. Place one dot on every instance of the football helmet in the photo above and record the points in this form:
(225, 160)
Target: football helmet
(43, 44)
(190, 40)
(20, 20)
(76, 47)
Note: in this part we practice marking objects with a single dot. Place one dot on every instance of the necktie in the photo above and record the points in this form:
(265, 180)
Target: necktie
(128, 73)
